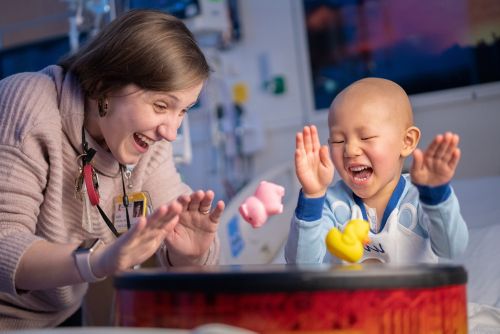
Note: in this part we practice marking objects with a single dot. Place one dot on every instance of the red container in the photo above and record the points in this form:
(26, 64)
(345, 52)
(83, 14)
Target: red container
(371, 299)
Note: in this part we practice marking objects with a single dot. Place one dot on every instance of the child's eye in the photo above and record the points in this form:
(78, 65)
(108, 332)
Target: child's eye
(333, 141)
(368, 137)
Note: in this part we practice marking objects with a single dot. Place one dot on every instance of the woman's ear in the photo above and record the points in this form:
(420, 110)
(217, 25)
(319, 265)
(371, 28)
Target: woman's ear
(410, 141)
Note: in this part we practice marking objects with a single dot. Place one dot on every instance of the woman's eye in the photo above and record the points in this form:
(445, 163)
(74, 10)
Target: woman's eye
(160, 106)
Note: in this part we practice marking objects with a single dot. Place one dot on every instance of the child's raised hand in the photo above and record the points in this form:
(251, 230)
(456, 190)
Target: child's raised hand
(313, 166)
(436, 166)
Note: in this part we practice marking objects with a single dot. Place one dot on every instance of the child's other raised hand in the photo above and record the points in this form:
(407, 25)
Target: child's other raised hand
(436, 166)
(313, 166)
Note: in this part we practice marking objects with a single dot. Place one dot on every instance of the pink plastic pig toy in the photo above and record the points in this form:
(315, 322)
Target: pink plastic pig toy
(265, 202)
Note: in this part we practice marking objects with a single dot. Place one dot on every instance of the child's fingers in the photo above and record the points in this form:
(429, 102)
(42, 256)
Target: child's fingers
(324, 156)
(455, 158)
(442, 146)
(308, 146)
(445, 147)
(299, 141)
(418, 160)
(448, 147)
(315, 139)
(456, 139)
(446, 152)
(431, 151)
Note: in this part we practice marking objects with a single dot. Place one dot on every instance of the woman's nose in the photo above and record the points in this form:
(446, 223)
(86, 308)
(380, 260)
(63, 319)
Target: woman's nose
(168, 131)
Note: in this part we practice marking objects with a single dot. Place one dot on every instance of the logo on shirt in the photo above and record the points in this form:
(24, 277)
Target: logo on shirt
(374, 248)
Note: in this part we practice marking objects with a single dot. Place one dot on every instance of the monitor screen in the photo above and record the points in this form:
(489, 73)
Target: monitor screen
(424, 46)
(182, 9)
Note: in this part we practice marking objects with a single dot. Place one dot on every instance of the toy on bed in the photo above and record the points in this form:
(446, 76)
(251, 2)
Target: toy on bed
(265, 202)
(348, 244)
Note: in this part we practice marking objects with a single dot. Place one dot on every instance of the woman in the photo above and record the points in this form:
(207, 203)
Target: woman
(66, 135)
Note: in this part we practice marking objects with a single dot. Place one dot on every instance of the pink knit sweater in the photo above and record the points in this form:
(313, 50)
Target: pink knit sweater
(41, 117)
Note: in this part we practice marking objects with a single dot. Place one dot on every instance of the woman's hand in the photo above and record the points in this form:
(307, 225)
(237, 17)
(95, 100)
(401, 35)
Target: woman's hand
(139, 243)
(436, 166)
(313, 165)
(198, 222)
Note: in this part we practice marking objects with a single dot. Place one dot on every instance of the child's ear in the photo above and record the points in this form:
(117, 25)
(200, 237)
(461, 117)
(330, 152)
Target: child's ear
(410, 141)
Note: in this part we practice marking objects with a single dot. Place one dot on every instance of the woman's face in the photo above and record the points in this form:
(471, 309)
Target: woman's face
(136, 119)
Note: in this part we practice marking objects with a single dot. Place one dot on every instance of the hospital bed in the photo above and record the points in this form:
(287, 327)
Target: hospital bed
(480, 206)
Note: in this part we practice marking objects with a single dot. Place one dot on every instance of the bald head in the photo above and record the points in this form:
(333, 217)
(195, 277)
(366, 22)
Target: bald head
(382, 96)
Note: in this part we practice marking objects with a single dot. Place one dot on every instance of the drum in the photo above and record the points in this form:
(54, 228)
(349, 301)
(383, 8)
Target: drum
(371, 299)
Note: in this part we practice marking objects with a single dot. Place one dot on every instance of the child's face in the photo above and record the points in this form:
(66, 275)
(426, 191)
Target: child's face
(366, 144)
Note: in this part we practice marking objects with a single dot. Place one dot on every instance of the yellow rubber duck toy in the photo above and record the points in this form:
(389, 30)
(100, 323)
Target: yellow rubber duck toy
(348, 245)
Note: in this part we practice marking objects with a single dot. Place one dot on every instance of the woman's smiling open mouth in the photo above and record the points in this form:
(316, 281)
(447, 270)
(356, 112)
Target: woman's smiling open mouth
(143, 141)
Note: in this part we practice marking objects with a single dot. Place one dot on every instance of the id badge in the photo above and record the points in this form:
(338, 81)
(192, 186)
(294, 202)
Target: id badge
(139, 206)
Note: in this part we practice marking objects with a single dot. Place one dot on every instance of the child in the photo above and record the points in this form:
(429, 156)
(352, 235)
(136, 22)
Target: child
(413, 218)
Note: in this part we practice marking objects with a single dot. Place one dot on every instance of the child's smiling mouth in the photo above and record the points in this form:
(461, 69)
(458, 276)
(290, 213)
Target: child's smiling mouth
(360, 173)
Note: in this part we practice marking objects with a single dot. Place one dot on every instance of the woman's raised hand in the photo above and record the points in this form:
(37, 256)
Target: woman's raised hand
(198, 222)
(139, 243)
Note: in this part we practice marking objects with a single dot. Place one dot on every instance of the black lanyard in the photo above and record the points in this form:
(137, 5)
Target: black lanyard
(88, 155)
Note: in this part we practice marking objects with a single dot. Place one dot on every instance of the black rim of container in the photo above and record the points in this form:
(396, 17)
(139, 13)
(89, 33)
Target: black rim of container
(289, 278)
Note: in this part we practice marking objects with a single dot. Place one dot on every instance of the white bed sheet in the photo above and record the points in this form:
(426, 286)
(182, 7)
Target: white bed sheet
(480, 206)
(483, 319)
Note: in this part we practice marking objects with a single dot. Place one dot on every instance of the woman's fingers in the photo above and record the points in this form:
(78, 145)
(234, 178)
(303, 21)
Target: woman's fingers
(164, 215)
(196, 198)
(144, 238)
(217, 212)
(206, 202)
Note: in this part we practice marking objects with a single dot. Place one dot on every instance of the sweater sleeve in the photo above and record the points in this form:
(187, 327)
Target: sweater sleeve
(21, 195)
(23, 169)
